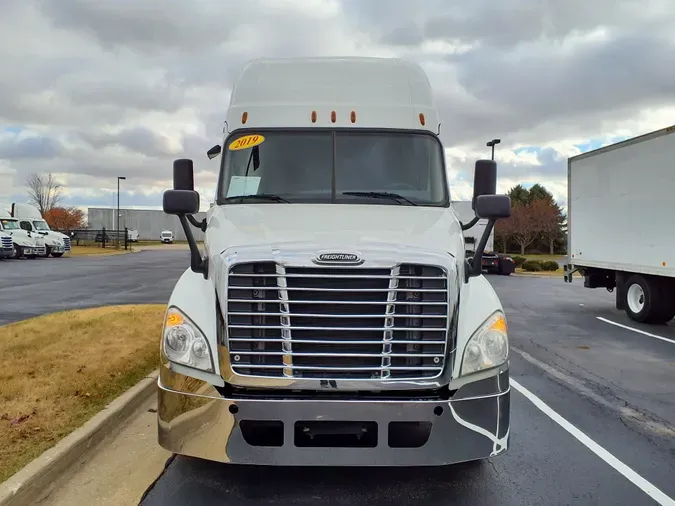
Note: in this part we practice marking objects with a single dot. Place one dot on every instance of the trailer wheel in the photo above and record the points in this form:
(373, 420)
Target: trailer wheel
(645, 301)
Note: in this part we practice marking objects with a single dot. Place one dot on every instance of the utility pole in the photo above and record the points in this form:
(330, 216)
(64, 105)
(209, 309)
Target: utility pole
(117, 228)
(491, 144)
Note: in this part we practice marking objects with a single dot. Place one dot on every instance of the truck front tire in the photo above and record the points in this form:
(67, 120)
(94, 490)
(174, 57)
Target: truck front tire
(646, 300)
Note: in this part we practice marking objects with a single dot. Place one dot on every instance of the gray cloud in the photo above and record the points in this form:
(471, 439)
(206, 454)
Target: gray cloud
(532, 72)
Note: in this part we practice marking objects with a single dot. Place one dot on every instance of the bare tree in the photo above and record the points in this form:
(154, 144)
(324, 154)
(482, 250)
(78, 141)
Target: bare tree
(504, 233)
(44, 191)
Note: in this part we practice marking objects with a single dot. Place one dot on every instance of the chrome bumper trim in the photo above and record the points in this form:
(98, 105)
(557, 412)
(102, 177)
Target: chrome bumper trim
(201, 423)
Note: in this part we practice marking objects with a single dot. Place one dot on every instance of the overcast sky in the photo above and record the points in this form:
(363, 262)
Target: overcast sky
(93, 89)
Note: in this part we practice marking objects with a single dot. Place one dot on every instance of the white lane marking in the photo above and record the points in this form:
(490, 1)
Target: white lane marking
(637, 480)
(625, 411)
(671, 341)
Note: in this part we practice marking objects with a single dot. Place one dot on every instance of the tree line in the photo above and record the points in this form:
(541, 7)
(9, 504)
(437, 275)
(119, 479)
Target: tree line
(537, 223)
(46, 194)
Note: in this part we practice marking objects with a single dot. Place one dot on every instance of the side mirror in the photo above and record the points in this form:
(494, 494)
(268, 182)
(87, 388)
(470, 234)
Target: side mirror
(183, 174)
(213, 152)
(484, 180)
(181, 202)
(493, 207)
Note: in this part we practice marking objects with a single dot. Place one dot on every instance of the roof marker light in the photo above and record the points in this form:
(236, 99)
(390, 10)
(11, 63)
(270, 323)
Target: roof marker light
(244, 117)
(352, 116)
(422, 120)
(332, 117)
(313, 116)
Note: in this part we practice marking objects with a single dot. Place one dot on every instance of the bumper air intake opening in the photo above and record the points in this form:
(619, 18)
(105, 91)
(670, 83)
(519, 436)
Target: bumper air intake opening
(262, 432)
(335, 434)
(409, 434)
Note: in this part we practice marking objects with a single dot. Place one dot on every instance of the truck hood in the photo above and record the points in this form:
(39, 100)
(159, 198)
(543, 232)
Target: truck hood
(22, 238)
(53, 238)
(333, 226)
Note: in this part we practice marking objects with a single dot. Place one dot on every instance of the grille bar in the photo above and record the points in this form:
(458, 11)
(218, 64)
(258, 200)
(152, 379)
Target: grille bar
(337, 322)
(389, 328)
(398, 302)
(334, 315)
(325, 341)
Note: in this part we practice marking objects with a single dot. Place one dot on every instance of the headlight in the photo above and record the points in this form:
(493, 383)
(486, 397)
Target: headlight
(183, 342)
(488, 347)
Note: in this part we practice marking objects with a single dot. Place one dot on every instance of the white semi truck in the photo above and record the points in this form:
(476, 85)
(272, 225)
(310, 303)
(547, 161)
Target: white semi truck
(24, 243)
(6, 244)
(620, 207)
(332, 317)
(31, 220)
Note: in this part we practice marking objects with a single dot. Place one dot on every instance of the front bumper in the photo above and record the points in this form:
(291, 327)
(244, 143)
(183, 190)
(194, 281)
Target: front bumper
(6, 253)
(194, 419)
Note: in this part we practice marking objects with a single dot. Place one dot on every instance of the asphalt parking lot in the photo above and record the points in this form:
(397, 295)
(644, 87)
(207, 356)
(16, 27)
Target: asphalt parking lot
(592, 407)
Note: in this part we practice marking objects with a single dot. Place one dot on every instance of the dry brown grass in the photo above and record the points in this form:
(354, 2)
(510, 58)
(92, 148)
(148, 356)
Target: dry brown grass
(61, 369)
(87, 251)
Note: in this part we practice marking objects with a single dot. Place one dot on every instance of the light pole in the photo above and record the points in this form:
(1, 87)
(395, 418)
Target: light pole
(117, 230)
(492, 144)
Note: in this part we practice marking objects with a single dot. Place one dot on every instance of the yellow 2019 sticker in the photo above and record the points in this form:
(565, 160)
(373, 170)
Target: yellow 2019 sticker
(245, 142)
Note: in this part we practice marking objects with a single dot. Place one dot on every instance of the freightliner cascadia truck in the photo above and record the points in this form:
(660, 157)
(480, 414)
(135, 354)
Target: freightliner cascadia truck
(332, 317)
(620, 209)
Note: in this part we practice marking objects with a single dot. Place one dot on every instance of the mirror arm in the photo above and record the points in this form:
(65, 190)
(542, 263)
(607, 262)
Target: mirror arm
(197, 263)
(201, 225)
(474, 266)
(470, 224)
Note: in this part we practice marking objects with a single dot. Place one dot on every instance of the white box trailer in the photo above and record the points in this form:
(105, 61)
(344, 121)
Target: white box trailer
(620, 212)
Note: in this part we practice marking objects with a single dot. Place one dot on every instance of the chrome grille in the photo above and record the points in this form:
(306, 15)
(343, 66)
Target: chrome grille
(6, 242)
(337, 322)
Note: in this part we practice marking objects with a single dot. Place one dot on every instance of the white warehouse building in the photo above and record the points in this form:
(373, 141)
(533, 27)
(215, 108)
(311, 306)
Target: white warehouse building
(148, 222)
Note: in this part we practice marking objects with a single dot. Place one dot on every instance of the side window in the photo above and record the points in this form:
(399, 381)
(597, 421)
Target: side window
(26, 225)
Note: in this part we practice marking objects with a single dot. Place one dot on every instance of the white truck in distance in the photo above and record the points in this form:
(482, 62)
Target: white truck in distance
(166, 236)
(24, 243)
(30, 219)
(620, 208)
(333, 319)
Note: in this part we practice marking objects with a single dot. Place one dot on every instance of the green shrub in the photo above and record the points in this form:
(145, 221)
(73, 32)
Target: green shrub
(532, 266)
(519, 260)
(550, 265)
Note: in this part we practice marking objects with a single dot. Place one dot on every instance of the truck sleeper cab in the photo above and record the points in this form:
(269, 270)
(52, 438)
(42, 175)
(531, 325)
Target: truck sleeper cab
(332, 318)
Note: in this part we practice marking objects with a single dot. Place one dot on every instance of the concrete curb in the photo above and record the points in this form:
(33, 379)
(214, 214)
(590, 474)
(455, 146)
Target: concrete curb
(40, 477)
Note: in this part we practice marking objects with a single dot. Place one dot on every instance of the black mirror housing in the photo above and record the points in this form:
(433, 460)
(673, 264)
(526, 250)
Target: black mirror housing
(181, 202)
(214, 151)
(493, 207)
(484, 180)
(183, 174)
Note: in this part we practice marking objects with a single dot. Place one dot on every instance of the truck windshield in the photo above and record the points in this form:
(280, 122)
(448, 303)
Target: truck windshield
(10, 224)
(346, 167)
(41, 225)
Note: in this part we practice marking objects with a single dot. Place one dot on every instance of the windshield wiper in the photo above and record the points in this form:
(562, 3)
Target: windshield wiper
(382, 195)
(261, 196)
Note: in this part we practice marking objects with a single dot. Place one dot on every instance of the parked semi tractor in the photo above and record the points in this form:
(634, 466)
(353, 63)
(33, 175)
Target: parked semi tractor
(24, 243)
(332, 317)
(30, 219)
(6, 244)
(620, 207)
